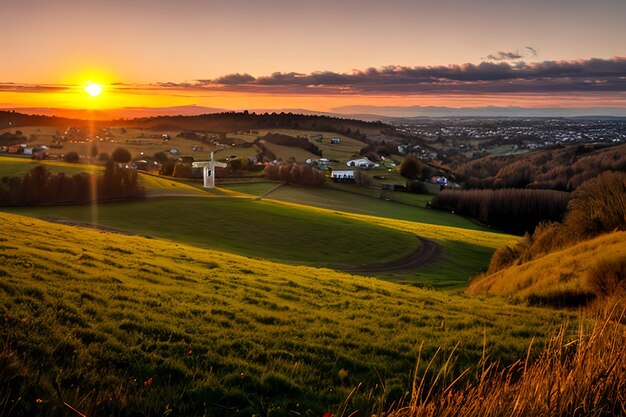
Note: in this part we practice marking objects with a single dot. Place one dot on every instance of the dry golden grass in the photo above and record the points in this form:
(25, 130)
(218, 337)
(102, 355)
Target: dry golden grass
(585, 376)
(564, 277)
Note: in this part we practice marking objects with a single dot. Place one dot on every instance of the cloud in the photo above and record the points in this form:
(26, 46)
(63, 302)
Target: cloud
(527, 52)
(30, 88)
(595, 75)
(600, 75)
(502, 56)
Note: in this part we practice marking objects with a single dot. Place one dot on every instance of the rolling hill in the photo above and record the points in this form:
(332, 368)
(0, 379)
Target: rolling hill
(567, 277)
(111, 324)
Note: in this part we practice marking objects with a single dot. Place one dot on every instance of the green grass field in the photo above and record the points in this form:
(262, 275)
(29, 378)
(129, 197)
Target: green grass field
(15, 166)
(287, 152)
(247, 227)
(123, 325)
(414, 208)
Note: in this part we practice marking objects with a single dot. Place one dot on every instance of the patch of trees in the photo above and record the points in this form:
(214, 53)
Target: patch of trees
(8, 138)
(563, 168)
(71, 157)
(40, 186)
(285, 140)
(382, 148)
(513, 210)
(596, 207)
(414, 169)
(296, 173)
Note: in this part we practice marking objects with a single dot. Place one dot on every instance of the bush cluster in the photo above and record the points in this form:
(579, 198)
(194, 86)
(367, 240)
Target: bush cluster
(296, 173)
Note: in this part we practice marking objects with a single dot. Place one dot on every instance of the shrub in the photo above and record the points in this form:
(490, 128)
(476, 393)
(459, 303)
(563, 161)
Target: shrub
(608, 278)
(71, 157)
(121, 155)
(598, 206)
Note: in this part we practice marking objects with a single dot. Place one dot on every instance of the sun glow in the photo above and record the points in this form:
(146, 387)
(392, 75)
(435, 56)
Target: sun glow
(93, 89)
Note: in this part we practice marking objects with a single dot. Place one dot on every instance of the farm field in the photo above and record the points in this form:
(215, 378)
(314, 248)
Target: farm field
(286, 152)
(194, 331)
(371, 205)
(247, 227)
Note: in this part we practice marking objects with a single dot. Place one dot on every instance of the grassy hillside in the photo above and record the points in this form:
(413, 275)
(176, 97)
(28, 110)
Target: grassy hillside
(13, 166)
(567, 277)
(372, 205)
(248, 227)
(123, 325)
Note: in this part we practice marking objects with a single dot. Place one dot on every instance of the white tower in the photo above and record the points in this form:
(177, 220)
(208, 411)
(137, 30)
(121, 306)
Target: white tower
(208, 170)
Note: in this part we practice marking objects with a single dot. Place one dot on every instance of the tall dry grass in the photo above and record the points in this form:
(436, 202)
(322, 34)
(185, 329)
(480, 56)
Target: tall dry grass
(585, 376)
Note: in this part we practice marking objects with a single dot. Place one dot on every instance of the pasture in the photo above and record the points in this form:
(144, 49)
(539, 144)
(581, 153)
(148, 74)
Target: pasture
(108, 323)
(259, 229)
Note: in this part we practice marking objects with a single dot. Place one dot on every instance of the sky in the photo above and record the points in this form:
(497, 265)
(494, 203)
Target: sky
(318, 55)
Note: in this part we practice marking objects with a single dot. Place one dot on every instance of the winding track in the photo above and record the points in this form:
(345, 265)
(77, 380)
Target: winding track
(427, 252)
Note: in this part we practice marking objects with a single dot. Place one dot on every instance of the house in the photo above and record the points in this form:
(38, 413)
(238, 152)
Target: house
(335, 141)
(342, 175)
(362, 163)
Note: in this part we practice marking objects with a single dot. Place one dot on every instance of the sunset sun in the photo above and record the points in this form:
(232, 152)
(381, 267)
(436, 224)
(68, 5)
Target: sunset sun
(93, 89)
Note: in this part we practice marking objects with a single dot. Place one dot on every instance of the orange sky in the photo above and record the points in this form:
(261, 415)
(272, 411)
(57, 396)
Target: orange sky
(137, 48)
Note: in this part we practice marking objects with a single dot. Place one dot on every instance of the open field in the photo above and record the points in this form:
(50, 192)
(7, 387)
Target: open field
(286, 152)
(370, 205)
(106, 322)
(247, 227)
(253, 188)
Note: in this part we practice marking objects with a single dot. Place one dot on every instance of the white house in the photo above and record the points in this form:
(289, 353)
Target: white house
(342, 175)
(335, 141)
(362, 163)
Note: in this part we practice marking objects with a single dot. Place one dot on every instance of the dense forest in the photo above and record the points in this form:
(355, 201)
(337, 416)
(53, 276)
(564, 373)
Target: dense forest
(560, 168)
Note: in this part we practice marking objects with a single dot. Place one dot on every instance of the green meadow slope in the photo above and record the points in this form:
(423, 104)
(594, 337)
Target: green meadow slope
(111, 324)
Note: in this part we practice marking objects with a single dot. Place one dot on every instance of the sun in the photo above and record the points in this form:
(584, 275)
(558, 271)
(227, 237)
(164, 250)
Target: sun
(93, 89)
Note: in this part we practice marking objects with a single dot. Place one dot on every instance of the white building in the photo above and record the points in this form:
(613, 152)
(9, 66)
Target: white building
(342, 175)
(362, 163)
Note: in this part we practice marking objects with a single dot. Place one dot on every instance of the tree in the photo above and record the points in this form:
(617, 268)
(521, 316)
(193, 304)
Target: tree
(160, 157)
(411, 168)
(71, 157)
(121, 155)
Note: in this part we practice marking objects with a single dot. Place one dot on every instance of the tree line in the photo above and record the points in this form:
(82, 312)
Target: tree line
(40, 186)
(295, 173)
(513, 210)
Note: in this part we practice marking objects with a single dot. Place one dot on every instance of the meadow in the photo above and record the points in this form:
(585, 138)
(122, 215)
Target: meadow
(111, 324)
(248, 227)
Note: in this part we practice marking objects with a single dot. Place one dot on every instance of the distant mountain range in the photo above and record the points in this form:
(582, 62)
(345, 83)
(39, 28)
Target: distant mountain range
(488, 111)
(367, 113)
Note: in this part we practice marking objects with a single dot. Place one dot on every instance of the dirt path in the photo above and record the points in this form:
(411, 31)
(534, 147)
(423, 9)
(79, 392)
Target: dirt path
(271, 190)
(427, 252)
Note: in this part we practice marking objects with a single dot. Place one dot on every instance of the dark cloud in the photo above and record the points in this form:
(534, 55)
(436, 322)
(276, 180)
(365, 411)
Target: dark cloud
(30, 88)
(527, 52)
(601, 75)
(502, 56)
